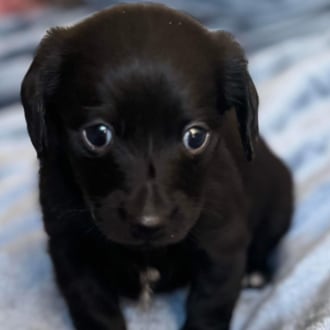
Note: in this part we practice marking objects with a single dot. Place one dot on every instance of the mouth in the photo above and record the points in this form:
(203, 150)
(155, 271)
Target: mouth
(156, 240)
(139, 231)
(141, 235)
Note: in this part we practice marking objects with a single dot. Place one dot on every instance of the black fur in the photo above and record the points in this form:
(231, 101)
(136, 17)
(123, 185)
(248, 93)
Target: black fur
(148, 71)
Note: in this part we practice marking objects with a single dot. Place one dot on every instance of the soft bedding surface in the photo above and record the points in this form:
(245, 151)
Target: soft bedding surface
(290, 62)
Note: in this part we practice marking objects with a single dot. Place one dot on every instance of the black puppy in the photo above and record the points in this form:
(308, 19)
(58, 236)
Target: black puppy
(138, 115)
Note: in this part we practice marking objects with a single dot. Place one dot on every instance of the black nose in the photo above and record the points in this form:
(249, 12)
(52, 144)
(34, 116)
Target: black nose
(148, 228)
(150, 221)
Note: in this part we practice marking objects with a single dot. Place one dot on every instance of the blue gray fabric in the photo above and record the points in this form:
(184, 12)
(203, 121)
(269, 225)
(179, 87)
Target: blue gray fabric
(289, 49)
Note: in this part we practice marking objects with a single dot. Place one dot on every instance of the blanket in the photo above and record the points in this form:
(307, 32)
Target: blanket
(292, 74)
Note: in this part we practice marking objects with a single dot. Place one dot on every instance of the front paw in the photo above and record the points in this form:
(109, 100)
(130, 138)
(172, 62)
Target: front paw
(214, 326)
(94, 325)
(92, 320)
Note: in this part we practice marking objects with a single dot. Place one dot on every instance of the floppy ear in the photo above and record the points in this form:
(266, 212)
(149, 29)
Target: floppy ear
(238, 90)
(38, 83)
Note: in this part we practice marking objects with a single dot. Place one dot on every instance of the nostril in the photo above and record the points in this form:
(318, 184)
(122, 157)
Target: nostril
(174, 212)
(151, 170)
(122, 213)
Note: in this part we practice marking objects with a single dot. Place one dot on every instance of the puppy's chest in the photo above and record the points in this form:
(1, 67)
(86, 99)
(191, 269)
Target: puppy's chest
(137, 282)
(141, 286)
(148, 279)
(140, 278)
(153, 280)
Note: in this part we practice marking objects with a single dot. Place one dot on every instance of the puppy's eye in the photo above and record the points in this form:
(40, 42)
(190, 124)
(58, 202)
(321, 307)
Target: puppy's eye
(97, 137)
(195, 138)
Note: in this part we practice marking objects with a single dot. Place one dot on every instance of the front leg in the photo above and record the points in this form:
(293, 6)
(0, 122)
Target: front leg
(214, 291)
(219, 256)
(93, 305)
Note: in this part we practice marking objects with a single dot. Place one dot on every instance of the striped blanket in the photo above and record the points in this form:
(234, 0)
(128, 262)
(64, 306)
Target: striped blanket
(291, 69)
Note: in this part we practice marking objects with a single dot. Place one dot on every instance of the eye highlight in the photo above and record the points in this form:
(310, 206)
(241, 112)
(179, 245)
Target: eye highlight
(97, 137)
(195, 138)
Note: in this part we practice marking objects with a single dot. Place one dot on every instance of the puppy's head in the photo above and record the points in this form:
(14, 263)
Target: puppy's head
(133, 100)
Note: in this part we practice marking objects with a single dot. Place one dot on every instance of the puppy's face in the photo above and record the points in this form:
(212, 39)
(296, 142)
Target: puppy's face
(140, 149)
(134, 98)
(140, 158)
